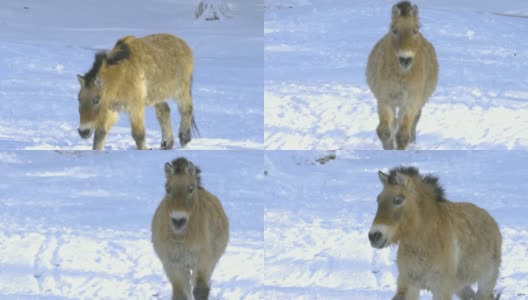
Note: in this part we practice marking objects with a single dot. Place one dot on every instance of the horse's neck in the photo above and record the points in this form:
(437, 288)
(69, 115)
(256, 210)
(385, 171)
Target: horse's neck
(430, 229)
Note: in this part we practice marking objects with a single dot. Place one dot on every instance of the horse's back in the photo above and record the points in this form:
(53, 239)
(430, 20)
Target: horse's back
(165, 44)
(163, 64)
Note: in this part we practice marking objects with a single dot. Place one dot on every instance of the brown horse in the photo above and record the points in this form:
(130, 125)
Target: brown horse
(190, 231)
(443, 247)
(402, 73)
(138, 72)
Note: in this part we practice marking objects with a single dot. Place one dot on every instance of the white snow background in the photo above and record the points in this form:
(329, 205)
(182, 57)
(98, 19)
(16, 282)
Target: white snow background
(44, 44)
(76, 224)
(317, 219)
(316, 95)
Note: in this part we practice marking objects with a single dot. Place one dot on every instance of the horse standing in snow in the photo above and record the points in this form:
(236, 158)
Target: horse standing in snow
(138, 72)
(190, 231)
(444, 246)
(402, 73)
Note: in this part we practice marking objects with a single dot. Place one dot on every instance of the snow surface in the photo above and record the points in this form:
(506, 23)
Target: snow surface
(316, 95)
(44, 44)
(317, 218)
(76, 224)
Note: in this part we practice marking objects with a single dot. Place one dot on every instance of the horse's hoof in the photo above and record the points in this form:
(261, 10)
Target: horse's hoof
(184, 139)
(402, 141)
(167, 145)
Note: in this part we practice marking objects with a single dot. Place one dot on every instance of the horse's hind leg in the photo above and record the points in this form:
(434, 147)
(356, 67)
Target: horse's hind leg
(413, 130)
(486, 284)
(163, 116)
(185, 107)
(385, 127)
(466, 293)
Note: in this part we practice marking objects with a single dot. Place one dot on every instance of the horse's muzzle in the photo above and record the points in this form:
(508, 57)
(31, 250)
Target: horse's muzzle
(179, 223)
(405, 62)
(85, 134)
(377, 240)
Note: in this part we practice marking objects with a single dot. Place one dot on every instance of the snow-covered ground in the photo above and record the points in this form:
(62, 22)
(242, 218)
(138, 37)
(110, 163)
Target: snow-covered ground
(317, 218)
(76, 224)
(316, 96)
(44, 44)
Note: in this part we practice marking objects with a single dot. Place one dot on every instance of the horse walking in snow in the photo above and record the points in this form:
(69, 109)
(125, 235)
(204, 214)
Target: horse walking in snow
(444, 246)
(190, 231)
(402, 73)
(138, 72)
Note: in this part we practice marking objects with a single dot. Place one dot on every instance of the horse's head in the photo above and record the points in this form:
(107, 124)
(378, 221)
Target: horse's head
(396, 209)
(182, 181)
(90, 97)
(405, 34)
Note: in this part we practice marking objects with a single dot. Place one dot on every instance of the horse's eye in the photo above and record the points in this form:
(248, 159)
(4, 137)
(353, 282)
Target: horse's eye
(97, 99)
(190, 188)
(398, 200)
(394, 30)
(378, 199)
(167, 189)
(415, 30)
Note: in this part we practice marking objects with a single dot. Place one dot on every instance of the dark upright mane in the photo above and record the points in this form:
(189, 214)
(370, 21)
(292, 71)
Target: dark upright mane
(405, 8)
(181, 163)
(89, 77)
(120, 52)
(430, 181)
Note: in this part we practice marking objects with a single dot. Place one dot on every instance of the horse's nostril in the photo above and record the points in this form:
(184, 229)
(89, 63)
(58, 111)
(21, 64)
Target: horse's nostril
(84, 133)
(179, 223)
(405, 61)
(374, 237)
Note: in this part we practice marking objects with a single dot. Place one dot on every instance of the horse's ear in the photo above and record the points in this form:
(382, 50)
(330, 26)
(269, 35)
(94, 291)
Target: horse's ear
(396, 10)
(414, 11)
(169, 170)
(190, 169)
(384, 178)
(401, 179)
(81, 79)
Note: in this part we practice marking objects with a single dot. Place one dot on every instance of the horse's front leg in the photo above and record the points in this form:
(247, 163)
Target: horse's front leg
(137, 123)
(406, 292)
(105, 120)
(407, 117)
(385, 127)
(413, 129)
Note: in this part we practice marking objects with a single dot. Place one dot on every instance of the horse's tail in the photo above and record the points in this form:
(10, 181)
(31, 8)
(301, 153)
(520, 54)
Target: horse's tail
(193, 118)
(194, 127)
